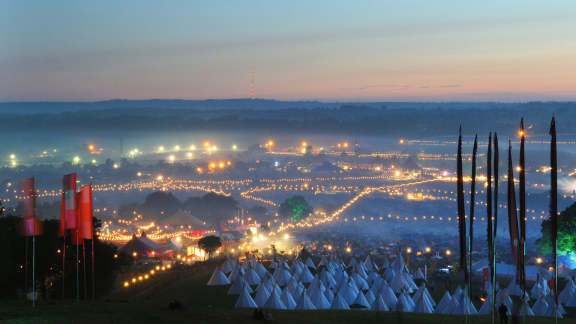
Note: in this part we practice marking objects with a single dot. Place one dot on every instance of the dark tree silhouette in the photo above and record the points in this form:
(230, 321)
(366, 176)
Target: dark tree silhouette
(210, 244)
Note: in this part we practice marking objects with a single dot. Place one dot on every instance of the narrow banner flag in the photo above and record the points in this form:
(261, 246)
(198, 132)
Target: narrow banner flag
(31, 223)
(68, 215)
(85, 212)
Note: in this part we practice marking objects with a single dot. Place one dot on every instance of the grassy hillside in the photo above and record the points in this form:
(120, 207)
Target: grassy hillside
(147, 303)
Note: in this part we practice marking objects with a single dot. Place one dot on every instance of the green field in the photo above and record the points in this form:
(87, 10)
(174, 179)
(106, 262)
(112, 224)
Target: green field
(148, 303)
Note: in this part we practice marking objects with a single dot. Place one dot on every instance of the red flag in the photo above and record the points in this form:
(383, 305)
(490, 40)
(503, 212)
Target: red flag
(485, 272)
(85, 212)
(31, 223)
(68, 214)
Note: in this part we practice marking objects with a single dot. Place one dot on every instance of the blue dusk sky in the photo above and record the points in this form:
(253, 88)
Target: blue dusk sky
(514, 50)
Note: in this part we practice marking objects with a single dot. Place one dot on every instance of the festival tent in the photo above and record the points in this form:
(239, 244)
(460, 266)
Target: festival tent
(552, 309)
(540, 307)
(245, 300)
(339, 302)
(237, 287)
(317, 284)
(444, 302)
(309, 263)
(486, 306)
(287, 299)
(329, 295)
(262, 295)
(514, 289)
(525, 309)
(452, 307)
(540, 288)
(306, 276)
(260, 269)
(457, 293)
(349, 291)
(419, 274)
(360, 282)
(368, 263)
(282, 276)
(379, 305)
(292, 285)
(423, 301)
(236, 273)
(399, 283)
(423, 305)
(327, 279)
(296, 268)
(228, 266)
(318, 299)
(360, 301)
(370, 297)
(464, 306)
(142, 247)
(403, 304)
(274, 301)
(389, 297)
(251, 277)
(218, 279)
(304, 302)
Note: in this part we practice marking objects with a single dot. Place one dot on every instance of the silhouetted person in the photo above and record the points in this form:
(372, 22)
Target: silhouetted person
(258, 314)
(503, 314)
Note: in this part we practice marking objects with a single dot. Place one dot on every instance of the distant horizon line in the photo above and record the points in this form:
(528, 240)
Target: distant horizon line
(295, 100)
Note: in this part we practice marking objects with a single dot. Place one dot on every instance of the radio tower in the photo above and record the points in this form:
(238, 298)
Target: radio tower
(252, 84)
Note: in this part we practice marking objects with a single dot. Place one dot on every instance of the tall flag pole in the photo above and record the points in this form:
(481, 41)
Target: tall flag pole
(461, 212)
(554, 210)
(512, 213)
(522, 215)
(471, 223)
(495, 215)
(32, 226)
(489, 215)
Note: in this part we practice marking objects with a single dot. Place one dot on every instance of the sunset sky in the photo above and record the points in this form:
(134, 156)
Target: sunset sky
(513, 50)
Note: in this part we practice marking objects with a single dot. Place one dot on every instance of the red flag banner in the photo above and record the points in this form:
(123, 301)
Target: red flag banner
(31, 223)
(69, 215)
(85, 212)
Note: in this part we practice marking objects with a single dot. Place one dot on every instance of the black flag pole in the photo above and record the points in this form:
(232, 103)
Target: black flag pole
(554, 210)
(460, 201)
(471, 221)
(495, 215)
(489, 218)
(461, 212)
(522, 214)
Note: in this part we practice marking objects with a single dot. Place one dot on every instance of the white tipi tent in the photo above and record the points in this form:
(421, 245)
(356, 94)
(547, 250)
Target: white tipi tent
(245, 300)
(218, 279)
